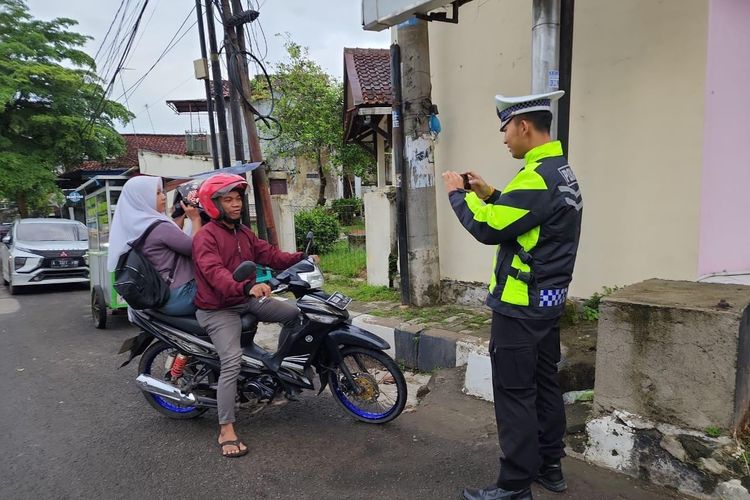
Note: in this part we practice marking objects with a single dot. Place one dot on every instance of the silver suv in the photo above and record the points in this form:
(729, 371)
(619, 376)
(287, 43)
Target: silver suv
(44, 251)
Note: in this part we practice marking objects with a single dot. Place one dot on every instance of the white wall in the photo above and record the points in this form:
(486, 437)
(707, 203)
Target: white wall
(636, 129)
(486, 53)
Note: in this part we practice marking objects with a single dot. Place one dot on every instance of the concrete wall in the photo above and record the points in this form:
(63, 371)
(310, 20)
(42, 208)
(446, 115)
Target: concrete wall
(167, 165)
(380, 227)
(636, 136)
(486, 53)
(666, 351)
(283, 216)
(725, 201)
(636, 130)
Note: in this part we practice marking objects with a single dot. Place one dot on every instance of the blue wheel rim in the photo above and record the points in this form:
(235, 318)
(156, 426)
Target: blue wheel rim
(165, 403)
(356, 409)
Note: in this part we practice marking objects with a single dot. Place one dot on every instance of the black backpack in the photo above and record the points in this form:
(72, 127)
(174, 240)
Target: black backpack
(136, 280)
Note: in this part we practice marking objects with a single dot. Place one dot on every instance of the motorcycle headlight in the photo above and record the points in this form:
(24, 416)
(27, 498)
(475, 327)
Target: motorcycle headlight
(314, 278)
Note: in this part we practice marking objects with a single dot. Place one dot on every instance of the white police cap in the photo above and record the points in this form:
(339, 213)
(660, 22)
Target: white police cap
(508, 107)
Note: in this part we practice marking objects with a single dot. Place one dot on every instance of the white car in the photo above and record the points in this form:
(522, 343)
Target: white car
(44, 251)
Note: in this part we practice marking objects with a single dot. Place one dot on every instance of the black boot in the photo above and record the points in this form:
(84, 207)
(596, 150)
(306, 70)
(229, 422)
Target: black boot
(495, 493)
(551, 477)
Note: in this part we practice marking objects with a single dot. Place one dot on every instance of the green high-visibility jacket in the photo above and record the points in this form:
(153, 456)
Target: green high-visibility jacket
(536, 224)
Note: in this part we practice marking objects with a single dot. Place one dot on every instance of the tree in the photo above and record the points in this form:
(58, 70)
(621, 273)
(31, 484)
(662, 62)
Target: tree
(53, 110)
(309, 107)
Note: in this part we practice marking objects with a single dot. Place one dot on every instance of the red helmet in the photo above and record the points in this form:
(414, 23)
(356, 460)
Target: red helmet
(216, 186)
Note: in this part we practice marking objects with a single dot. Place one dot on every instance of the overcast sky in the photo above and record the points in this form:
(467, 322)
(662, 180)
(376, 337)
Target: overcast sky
(324, 26)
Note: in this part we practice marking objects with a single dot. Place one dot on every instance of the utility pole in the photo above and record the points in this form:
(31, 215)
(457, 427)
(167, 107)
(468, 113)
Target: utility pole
(207, 82)
(419, 181)
(545, 50)
(235, 112)
(236, 38)
(221, 114)
(398, 159)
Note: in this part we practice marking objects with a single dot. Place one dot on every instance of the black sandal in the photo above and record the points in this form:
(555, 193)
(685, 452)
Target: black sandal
(239, 453)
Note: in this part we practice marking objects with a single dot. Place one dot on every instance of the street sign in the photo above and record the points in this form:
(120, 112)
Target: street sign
(378, 15)
(74, 196)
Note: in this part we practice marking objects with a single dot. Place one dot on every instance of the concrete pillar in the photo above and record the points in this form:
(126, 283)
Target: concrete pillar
(380, 227)
(283, 215)
(424, 265)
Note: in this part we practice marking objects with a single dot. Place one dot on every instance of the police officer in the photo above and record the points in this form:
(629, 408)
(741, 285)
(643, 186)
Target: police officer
(535, 224)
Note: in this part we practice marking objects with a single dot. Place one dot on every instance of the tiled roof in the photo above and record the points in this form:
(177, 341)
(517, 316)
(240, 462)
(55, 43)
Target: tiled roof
(158, 143)
(369, 75)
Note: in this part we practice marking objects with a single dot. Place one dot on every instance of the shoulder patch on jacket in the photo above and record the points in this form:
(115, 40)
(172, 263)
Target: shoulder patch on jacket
(567, 174)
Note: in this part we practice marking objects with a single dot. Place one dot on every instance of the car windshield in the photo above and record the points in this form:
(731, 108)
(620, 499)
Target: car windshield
(51, 232)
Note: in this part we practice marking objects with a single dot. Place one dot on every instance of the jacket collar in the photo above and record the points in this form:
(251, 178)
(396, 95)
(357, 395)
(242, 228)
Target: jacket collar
(547, 150)
(225, 227)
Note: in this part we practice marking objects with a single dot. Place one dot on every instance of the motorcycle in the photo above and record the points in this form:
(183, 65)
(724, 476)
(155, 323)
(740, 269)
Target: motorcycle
(179, 367)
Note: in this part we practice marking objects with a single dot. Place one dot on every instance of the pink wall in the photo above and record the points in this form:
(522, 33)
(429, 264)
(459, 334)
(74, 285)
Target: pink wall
(725, 187)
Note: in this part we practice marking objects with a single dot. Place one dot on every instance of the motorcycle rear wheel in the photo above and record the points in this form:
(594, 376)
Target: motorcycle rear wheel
(382, 395)
(152, 363)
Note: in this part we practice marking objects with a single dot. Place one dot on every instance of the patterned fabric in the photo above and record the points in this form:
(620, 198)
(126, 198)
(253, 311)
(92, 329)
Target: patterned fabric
(552, 298)
(508, 112)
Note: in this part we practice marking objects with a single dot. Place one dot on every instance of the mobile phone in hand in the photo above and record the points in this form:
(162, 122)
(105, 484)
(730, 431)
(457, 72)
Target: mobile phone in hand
(467, 184)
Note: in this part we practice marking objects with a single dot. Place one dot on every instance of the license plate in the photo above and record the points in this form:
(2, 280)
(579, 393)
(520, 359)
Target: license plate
(64, 263)
(339, 300)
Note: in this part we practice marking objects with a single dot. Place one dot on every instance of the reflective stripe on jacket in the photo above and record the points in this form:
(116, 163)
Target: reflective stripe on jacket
(535, 223)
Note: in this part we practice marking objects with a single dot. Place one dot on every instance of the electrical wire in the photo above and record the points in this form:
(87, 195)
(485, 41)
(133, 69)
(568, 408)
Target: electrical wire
(176, 38)
(100, 107)
(109, 30)
(234, 73)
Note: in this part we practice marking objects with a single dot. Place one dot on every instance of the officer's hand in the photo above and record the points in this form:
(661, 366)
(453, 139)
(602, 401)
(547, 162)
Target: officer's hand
(260, 290)
(479, 186)
(452, 181)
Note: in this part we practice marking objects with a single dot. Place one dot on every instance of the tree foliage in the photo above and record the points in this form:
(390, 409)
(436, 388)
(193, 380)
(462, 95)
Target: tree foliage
(310, 108)
(53, 110)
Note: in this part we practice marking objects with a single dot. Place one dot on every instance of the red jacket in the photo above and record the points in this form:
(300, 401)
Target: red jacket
(218, 250)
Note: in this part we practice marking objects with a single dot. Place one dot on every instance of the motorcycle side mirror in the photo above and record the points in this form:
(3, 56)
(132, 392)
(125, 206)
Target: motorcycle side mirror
(244, 271)
(309, 239)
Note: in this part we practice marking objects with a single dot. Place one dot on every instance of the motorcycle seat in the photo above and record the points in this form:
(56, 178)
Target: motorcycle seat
(189, 324)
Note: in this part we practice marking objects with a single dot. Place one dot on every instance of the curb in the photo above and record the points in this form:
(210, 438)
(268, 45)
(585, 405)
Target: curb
(431, 349)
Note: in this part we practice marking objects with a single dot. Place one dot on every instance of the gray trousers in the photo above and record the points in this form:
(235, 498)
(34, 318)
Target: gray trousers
(224, 327)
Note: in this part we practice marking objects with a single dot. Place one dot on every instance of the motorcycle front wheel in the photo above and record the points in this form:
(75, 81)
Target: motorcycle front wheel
(153, 363)
(379, 392)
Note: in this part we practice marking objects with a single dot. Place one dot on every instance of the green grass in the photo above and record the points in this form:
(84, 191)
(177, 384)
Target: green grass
(342, 261)
(360, 290)
(713, 431)
(436, 314)
(357, 225)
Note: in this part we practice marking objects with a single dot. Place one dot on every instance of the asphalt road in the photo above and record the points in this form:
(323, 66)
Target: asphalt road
(74, 426)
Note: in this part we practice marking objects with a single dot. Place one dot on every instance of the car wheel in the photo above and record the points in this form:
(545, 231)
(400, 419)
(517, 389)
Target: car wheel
(98, 308)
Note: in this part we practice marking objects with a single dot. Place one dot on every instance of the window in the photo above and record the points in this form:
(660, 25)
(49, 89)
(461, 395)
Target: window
(39, 231)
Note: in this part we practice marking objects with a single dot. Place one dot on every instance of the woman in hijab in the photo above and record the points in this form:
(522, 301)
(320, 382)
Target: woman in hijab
(141, 204)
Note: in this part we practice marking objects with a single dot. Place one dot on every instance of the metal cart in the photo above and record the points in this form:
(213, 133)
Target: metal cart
(100, 198)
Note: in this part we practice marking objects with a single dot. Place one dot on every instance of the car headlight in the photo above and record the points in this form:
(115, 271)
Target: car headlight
(19, 262)
(314, 278)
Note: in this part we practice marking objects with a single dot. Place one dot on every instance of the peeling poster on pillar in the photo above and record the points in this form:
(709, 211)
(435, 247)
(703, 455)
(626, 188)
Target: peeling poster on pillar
(421, 162)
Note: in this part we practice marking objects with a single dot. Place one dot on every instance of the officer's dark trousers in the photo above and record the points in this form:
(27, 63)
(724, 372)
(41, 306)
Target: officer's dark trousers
(528, 402)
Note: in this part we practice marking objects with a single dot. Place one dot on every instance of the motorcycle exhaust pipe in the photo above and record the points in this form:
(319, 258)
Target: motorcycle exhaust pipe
(163, 389)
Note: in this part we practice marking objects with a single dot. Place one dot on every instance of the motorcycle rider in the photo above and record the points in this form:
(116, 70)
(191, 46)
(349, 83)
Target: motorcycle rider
(218, 249)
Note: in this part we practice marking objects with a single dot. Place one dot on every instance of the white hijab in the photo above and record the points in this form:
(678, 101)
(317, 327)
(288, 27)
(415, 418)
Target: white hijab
(135, 212)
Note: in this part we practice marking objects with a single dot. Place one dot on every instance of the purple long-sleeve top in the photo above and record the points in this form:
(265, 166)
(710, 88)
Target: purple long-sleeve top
(160, 248)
